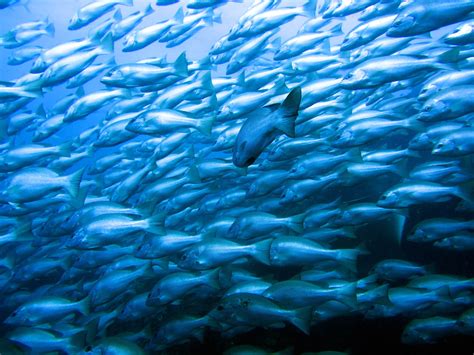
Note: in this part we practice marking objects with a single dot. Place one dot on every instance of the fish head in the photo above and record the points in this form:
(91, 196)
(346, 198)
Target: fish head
(78, 240)
(39, 65)
(190, 260)
(459, 33)
(143, 249)
(157, 297)
(342, 138)
(233, 67)
(245, 152)
(428, 91)
(288, 196)
(388, 199)
(74, 23)
(360, 56)
(445, 147)
(226, 112)
(443, 243)
(412, 336)
(18, 317)
(113, 76)
(432, 110)
(137, 124)
(420, 141)
(253, 190)
(417, 235)
(130, 41)
(5, 164)
(402, 25)
(354, 79)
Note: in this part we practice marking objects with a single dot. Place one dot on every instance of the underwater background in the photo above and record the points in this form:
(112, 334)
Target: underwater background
(239, 177)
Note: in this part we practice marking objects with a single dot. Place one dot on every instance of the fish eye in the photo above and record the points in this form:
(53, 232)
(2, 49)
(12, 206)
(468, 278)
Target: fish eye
(220, 308)
(184, 257)
(88, 348)
(250, 161)
(245, 303)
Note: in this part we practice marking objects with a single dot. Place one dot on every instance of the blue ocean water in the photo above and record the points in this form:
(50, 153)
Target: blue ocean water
(141, 223)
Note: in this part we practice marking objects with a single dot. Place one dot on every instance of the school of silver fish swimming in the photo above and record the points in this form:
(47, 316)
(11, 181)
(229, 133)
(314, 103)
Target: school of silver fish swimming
(175, 212)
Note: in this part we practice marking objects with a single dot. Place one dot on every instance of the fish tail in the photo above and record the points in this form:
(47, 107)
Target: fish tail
(193, 175)
(204, 125)
(212, 278)
(261, 251)
(73, 182)
(148, 11)
(155, 224)
(309, 9)
(296, 223)
(126, 2)
(348, 294)
(289, 111)
(206, 82)
(465, 192)
(301, 319)
(107, 45)
(348, 257)
(83, 306)
(64, 150)
(181, 66)
(50, 30)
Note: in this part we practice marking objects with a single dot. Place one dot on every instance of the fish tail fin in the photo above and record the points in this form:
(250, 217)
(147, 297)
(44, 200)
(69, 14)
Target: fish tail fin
(148, 11)
(206, 82)
(309, 9)
(443, 294)
(50, 30)
(127, 2)
(193, 175)
(336, 30)
(448, 58)
(107, 45)
(401, 169)
(76, 342)
(179, 15)
(73, 182)
(296, 222)
(289, 109)
(354, 155)
(465, 191)
(241, 79)
(348, 258)
(301, 319)
(23, 231)
(64, 150)
(212, 278)
(83, 306)
(205, 125)
(118, 15)
(78, 201)
(181, 66)
(412, 153)
(414, 124)
(217, 18)
(261, 251)
(348, 294)
(155, 224)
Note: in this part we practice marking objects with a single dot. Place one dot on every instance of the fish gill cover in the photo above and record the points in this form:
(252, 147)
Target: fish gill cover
(239, 177)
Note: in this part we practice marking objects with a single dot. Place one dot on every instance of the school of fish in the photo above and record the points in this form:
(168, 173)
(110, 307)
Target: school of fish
(199, 183)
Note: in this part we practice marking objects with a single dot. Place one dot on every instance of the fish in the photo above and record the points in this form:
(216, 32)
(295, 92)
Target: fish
(256, 134)
(186, 176)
